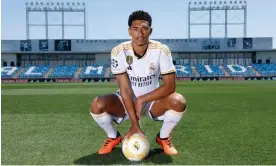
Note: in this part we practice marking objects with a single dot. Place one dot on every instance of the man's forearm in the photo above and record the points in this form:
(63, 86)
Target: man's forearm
(158, 93)
(129, 105)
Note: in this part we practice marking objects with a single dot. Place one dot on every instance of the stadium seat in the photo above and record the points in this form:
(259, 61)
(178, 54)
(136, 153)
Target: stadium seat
(34, 72)
(64, 71)
(265, 69)
(184, 71)
(9, 72)
(94, 71)
(239, 70)
(209, 70)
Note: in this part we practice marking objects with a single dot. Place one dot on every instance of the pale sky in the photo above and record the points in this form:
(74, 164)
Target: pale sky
(107, 19)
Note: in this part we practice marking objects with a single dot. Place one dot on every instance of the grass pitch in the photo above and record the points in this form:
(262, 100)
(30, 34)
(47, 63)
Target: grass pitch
(226, 123)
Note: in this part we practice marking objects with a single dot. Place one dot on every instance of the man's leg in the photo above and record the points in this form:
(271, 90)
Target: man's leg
(171, 108)
(103, 109)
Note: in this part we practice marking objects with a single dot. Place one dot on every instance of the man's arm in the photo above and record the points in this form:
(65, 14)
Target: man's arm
(166, 89)
(168, 75)
(126, 93)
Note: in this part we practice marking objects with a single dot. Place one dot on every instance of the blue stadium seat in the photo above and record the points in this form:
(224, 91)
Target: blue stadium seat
(94, 71)
(209, 70)
(239, 70)
(9, 72)
(34, 72)
(184, 71)
(64, 71)
(265, 69)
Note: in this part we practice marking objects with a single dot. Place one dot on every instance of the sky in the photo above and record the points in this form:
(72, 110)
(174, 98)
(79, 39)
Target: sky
(107, 19)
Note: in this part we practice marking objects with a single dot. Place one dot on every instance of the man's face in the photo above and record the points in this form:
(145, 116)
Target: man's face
(140, 32)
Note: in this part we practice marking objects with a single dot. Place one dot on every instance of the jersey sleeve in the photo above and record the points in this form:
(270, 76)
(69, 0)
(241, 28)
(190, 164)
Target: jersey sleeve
(118, 61)
(166, 61)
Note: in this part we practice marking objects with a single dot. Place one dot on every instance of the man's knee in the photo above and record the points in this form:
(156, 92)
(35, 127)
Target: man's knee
(177, 102)
(97, 105)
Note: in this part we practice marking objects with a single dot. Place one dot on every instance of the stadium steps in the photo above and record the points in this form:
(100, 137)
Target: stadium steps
(107, 73)
(255, 71)
(224, 71)
(195, 71)
(21, 71)
(77, 74)
(49, 72)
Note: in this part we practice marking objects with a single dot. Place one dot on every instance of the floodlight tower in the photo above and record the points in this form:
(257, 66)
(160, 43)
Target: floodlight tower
(60, 7)
(230, 5)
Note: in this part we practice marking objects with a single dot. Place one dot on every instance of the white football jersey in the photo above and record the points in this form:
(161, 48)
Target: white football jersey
(143, 72)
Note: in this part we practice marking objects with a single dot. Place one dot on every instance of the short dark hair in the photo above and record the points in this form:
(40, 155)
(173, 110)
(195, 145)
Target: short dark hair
(139, 15)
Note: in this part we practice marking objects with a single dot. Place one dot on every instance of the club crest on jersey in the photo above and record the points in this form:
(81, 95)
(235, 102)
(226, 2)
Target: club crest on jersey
(129, 59)
(152, 67)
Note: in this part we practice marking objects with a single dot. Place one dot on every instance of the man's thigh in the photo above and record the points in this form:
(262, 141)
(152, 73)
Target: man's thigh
(111, 104)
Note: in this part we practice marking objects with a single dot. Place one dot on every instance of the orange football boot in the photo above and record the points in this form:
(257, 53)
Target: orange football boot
(166, 145)
(109, 144)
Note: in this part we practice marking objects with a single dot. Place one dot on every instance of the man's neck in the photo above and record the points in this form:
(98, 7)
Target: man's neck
(139, 50)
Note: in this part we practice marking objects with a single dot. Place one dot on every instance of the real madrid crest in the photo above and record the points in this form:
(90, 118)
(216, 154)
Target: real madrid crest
(129, 59)
(152, 67)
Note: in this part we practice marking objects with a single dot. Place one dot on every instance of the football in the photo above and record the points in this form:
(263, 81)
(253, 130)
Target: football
(136, 148)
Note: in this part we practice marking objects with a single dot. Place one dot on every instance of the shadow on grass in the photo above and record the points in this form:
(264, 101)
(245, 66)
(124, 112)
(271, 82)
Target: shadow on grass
(156, 156)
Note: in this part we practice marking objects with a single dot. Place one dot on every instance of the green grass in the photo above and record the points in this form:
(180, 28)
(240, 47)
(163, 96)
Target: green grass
(226, 123)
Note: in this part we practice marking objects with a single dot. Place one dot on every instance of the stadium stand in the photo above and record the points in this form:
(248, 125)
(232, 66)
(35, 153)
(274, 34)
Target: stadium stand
(239, 70)
(100, 71)
(209, 70)
(34, 72)
(64, 71)
(265, 69)
(9, 72)
(184, 71)
(94, 71)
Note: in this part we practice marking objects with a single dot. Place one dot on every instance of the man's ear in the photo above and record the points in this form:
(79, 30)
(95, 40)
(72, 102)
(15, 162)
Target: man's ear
(151, 31)
(129, 32)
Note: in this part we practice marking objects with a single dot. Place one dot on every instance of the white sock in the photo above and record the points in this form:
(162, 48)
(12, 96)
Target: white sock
(104, 120)
(171, 118)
